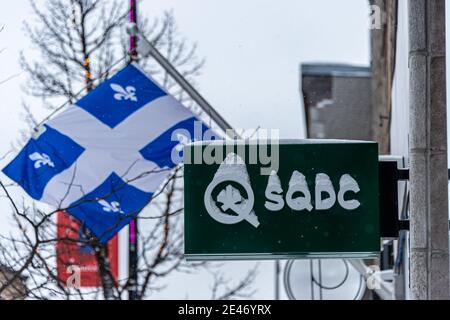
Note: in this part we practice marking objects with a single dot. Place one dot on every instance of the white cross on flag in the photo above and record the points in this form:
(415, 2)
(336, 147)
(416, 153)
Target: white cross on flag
(104, 157)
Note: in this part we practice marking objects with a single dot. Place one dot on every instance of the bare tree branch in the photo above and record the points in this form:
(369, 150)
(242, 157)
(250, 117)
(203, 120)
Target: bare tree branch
(80, 43)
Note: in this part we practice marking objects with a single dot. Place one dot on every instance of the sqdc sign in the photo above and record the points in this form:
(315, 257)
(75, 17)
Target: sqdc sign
(321, 202)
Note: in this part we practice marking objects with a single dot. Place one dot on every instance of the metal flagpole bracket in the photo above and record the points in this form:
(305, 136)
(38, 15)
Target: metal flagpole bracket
(391, 171)
(145, 48)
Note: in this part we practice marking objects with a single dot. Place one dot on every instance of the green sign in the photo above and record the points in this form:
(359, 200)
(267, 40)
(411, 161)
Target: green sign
(295, 199)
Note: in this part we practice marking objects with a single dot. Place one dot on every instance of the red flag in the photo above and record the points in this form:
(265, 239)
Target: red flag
(72, 254)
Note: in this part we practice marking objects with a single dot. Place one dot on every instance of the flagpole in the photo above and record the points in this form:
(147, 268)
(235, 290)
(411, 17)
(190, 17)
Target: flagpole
(133, 227)
(146, 48)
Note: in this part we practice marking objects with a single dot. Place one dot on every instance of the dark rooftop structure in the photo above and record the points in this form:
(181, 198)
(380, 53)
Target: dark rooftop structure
(337, 100)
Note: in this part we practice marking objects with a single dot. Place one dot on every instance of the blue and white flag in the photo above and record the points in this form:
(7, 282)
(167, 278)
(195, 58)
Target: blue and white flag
(104, 157)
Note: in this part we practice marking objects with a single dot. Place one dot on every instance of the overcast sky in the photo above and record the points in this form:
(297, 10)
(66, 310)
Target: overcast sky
(253, 50)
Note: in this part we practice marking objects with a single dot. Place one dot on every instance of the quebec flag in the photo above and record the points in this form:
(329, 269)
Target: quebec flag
(104, 157)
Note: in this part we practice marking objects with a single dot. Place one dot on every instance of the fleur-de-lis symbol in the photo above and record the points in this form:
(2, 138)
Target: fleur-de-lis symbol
(41, 159)
(127, 93)
(114, 206)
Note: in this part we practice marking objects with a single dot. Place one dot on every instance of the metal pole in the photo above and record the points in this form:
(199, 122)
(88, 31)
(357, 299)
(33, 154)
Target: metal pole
(277, 280)
(145, 48)
(133, 38)
(428, 151)
(133, 228)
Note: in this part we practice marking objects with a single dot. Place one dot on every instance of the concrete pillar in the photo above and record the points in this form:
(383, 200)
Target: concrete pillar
(428, 151)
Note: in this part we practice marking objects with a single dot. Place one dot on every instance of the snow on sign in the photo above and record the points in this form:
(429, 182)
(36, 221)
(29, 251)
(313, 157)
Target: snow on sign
(289, 199)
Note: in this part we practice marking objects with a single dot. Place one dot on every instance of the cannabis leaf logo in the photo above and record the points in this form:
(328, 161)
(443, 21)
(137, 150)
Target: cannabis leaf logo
(230, 198)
